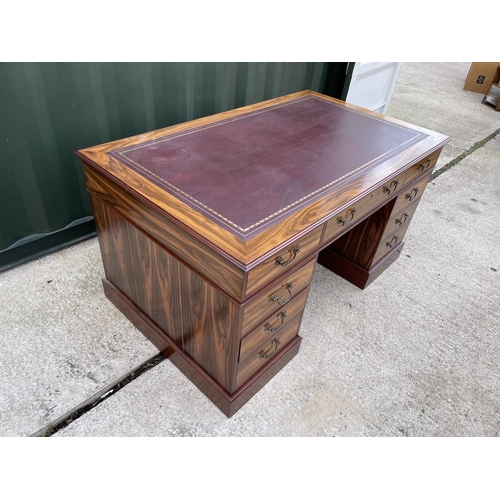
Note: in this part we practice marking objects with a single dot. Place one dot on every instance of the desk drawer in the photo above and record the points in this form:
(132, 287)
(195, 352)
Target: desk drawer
(410, 194)
(427, 164)
(282, 260)
(277, 295)
(399, 221)
(395, 230)
(273, 325)
(388, 243)
(363, 207)
(272, 335)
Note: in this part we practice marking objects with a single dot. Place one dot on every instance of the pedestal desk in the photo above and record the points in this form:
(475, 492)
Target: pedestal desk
(210, 230)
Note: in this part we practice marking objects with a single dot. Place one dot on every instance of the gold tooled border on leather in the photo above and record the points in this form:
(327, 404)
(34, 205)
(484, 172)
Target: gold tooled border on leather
(120, 154)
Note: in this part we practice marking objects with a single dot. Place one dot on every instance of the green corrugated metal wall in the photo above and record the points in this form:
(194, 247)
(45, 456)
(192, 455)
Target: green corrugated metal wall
(49, 110)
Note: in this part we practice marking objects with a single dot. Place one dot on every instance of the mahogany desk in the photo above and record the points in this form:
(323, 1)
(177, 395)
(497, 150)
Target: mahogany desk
(210, 230)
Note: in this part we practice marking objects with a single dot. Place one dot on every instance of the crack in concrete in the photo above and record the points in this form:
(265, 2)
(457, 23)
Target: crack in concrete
(459, 158)
(98, 398)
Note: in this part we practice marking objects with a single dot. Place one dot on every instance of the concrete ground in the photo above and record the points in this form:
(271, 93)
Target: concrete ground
(415, 354)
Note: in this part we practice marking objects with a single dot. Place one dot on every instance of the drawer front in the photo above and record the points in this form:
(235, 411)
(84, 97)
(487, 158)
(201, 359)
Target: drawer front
(364, 206)
(254, 362)
(277, 295)
(399, 221)
(282, 260)
(261, 345)
(388, 243)
(410, 194)
(273, 325)
(427, 164)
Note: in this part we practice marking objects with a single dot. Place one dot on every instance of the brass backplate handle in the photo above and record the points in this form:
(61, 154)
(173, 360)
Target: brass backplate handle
(276, 327)
(275, 297)
(411, 195)
(391, 188)
(346, 220)
(270, 351)
(402, 219)
(425, 164)
(293, 252)
(391, 243)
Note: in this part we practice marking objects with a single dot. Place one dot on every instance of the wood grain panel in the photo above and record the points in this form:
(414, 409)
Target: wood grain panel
(196, 316)
(200, 378)
(270, 268)
(111, 232)
(220, 271)
(288, 287)
(143, 324)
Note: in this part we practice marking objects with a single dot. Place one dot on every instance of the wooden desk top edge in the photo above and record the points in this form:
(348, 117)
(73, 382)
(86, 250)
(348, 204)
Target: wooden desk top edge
(230, 245)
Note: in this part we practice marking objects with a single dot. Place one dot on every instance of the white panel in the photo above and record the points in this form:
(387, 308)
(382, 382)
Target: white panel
(372, 84)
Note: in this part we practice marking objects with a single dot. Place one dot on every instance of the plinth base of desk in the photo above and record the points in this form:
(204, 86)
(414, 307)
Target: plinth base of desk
(352, 272)
(227, 404)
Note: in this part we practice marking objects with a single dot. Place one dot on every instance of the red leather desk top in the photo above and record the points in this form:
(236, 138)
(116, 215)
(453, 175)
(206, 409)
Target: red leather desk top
(251, 171)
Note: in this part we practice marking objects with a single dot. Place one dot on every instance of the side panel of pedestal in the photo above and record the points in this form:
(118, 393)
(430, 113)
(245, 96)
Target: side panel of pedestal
(227, 404)
(199, 319)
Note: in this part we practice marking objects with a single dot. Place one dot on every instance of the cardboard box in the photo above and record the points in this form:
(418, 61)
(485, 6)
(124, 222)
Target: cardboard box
(481, 75)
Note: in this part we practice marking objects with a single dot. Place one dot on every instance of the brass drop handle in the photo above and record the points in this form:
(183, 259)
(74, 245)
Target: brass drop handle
(344, 221)
(271, 328)
(270, 351)
(425, 164)
(391, 243)
(402, 219)
(293, 252)
(275, 298)
(411, 195)
(391, 188)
